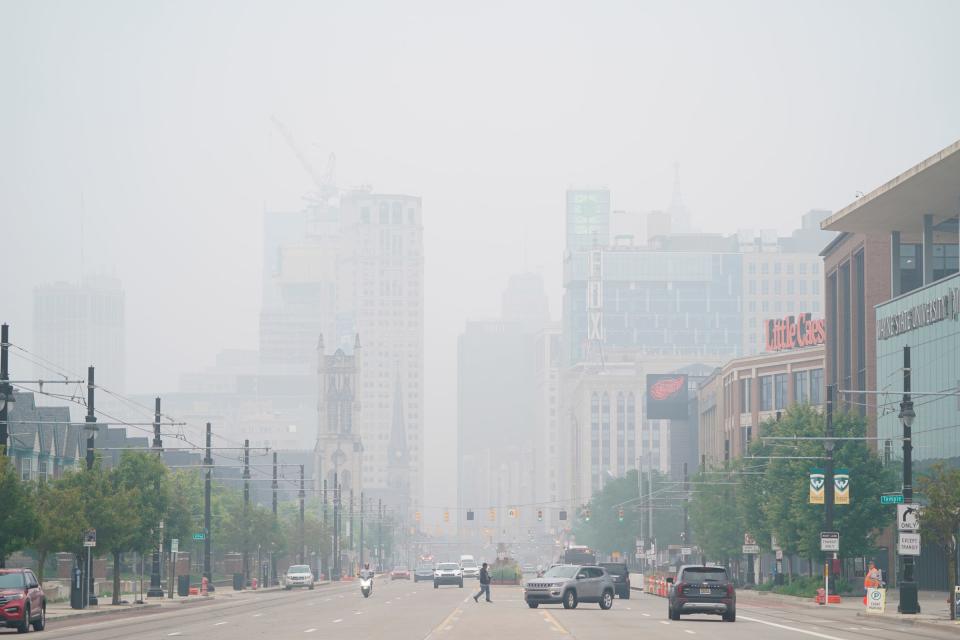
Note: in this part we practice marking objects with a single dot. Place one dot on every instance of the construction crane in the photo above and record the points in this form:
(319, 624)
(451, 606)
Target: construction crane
(325, 182)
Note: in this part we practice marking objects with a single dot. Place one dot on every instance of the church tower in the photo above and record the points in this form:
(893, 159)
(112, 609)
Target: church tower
(338, 449)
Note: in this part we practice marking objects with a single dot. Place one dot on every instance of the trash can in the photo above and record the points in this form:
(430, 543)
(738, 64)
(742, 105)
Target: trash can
(238, 582)
(76, 589)
(183, 585)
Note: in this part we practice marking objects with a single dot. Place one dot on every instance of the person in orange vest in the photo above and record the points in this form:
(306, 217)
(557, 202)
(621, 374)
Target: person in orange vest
(872, 580)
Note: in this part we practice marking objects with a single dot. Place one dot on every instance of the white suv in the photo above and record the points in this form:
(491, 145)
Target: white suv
(469, 568)
(298, 575)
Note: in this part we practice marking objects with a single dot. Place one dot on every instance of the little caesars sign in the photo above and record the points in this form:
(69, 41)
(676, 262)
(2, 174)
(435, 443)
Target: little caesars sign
(945, 307)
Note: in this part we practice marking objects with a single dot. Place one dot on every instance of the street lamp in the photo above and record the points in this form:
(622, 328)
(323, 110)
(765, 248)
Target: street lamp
(909, 601)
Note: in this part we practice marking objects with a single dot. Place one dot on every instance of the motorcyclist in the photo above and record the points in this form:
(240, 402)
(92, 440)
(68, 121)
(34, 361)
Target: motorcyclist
(366, 572)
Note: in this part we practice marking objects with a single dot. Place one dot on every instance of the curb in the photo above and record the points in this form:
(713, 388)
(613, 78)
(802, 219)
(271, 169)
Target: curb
(100, 612)
(927, 624)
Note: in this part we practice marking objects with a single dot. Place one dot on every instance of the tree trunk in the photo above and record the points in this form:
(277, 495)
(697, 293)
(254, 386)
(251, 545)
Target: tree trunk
(116, 578)
(41, 563)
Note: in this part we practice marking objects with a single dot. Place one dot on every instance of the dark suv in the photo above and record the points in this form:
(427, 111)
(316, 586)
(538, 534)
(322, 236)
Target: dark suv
(621, 578)
(570, 585)
(22, 602)
(700, 589)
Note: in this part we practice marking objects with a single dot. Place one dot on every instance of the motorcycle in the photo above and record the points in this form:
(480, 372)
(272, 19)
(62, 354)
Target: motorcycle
(366, 586)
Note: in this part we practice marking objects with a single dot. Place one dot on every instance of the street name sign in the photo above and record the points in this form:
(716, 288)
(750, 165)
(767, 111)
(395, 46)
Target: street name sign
(751, 549)
(90, 538)
(174, 545)
(829, 541)
(891, 498)
(908, 544)
(199, 536)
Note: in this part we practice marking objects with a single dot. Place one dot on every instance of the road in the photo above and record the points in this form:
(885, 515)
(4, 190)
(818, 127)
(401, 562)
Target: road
(404, 610)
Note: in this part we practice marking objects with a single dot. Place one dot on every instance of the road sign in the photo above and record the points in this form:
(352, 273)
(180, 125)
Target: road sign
(686, 551)
(908, 544)
(876, 600)
(199, 536)
(779, 553)
(829, 541)
(90, 538)
(908, 517)
(751, 549)
(891, 498)
(174, 545)
(749, 539)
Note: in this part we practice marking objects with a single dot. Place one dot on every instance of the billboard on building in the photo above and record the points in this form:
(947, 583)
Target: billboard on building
(794, 332)
(667, 396)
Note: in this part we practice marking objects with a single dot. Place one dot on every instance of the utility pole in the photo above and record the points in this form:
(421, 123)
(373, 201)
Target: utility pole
(6, 391)
(207, 481)
(361, 530)
(91, 429)
(641, 543)
(828, 490)
(302, 495)
(156, 586)
(335, 572)
(909, 603)
(650, 537)
(246, 513)
(686, 506)
(350, 520)
(325, 562)
(380, 534)
(274, 485)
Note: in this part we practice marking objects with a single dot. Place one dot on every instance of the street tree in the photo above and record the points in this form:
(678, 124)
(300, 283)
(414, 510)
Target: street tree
(18, 517)
(940, 488)
(61, 520)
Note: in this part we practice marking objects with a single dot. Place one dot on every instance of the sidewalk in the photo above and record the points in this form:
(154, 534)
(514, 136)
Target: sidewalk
(933, 606)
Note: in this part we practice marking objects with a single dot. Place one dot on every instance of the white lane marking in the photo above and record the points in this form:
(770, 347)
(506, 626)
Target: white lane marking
(338, 620)
(690, 632)
(175, 633)
(664, 622)
(217, 624)
(645, 615)
(257, 615)
(311, 630)
(798, 630)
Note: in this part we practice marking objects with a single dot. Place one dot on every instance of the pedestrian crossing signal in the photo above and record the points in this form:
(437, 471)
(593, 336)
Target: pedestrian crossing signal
(586, 515)
(620, 514)
(513, 513)
(540, 515)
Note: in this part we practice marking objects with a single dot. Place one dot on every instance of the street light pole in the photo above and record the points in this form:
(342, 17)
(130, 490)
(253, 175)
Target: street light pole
(207, 481)
(6, 392)
(246, 513)
(274, 485)
(156, 586)
(302, 495)
(909, 602)
(91, 428)
(828, 490)
(380, 534)
(361, 529)
(324, 561)
(335, 571)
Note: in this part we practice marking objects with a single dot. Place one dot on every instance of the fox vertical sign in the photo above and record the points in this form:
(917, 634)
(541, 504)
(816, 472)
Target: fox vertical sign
(841, 487)
(816, 486)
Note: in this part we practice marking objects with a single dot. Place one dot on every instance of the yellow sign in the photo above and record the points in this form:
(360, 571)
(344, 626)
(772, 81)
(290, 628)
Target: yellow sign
(841, 487)
(816, 487)
(876, 600)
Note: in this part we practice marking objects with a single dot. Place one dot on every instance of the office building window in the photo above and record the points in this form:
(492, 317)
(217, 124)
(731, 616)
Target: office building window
(605, 425)
(365, 215)
(621, 433)
(945, 260)
(753, 287)
(384, 213)
(802, 268)
(776, 267)
(790, 268)
(765, 268)
(751, 268)
(764, 287)
(780, 390)
(801, 386)
(817, 388)
(803, 287)
(790, 287)
(753, 305)
(776, 287)
(745, 388)
(815, 287)
(766, 393)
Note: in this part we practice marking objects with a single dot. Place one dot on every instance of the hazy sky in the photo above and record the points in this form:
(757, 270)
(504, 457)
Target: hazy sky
(158, 113)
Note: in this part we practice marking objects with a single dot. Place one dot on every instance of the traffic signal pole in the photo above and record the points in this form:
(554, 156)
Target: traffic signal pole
(207, 480)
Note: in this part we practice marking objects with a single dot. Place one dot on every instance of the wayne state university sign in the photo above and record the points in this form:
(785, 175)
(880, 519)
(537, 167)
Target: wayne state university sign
(945, 307)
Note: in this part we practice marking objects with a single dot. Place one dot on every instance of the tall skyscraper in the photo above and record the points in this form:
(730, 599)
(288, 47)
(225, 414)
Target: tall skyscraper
(79, 325)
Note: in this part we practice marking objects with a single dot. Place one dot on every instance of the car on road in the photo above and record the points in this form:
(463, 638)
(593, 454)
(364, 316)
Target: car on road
(447, 573)
(423, 572)
(469, 567)
(569, 585)
(400, 573)
(621, 578)
(22, 601)
(298, 575)
(702, 589)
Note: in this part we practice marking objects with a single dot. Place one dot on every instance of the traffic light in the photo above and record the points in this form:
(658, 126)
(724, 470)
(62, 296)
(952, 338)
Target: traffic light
(446, 516)
(620, 514)
(540, 515)
(586, 514)
(417, 516)
(683, 536)
(493, 514)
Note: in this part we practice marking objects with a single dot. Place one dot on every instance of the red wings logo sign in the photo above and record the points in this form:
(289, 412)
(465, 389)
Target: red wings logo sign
(665, 388)
(667, 396)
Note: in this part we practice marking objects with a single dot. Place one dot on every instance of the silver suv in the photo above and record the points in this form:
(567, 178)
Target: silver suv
(570, 585)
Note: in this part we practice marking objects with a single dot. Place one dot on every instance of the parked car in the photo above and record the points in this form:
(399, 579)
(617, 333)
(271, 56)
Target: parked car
(700, 589)
(620, 573)
(400, 573)
(570, 584)
(22, 601)
(423, 572)
(298, 575)
(447, 573)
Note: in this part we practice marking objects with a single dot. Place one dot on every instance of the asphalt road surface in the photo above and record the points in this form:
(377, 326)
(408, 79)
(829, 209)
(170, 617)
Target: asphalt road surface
(404, 610)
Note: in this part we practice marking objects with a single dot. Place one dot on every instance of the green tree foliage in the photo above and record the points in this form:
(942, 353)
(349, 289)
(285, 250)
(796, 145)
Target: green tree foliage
(776, 502)
(940, 488)
(18, 518)
(606, 533)
(61, 519)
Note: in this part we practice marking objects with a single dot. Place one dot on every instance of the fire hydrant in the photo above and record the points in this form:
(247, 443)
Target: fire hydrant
(203, 586)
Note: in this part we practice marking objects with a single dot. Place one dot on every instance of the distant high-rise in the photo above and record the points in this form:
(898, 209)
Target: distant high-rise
(525, 301)
(588, 219)
(80, 325)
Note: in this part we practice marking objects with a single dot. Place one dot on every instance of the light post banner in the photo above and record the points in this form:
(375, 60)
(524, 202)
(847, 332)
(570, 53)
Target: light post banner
(876, 600)
(841, 487)
(816, 486)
